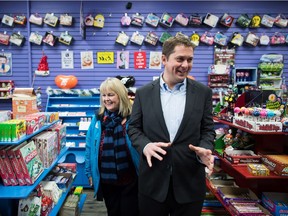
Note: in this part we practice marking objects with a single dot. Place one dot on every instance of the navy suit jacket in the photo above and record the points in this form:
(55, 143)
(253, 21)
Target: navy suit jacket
(180, 163)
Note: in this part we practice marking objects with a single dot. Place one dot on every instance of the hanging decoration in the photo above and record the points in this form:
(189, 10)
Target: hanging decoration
(43, 69)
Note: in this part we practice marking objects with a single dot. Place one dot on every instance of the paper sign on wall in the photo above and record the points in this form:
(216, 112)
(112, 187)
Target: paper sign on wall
(87, 60)
(105, 57)
(5, 64)
(67, 59)
(155, 60)
(123, 59)
(140, 60)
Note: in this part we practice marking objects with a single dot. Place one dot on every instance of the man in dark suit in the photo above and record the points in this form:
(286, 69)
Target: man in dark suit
(171, 126)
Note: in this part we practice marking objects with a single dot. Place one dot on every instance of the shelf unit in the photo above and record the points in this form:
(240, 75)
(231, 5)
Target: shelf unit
(11, 194)
(74, 105)
(72, 109)
(264, 141)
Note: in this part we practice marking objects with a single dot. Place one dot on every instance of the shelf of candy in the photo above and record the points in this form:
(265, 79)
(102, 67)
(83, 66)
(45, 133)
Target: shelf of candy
(276, 163)
(276, 202)
(245, 76)
(259, 119)
(247, 209)
(15, 131)
(271, 66)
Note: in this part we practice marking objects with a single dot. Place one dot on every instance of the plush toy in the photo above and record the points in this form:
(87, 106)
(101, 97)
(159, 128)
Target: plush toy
(128, 81)
(43, 69)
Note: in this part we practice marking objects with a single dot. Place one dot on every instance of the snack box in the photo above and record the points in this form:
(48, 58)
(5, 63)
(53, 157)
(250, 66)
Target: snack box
(247, 209)
(258, 169)
(276, 203)
(276, 163)
(229, 194)
(7, 166)
(32, 124)
(24, 102)
(241, 156)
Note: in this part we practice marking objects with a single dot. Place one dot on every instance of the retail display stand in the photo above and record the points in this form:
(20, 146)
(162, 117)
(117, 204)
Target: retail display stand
(11, 194)
(76, 108)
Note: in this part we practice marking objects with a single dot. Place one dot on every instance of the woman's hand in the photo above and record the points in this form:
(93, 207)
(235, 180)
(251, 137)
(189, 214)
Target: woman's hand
(90, 181)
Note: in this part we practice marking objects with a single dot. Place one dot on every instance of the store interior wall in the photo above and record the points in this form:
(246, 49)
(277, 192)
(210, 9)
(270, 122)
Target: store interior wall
(26, 58)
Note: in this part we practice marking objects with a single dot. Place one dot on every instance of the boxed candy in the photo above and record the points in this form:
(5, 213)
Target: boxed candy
(276, 163)
(229, 194)
(241, 156)
(276, 203)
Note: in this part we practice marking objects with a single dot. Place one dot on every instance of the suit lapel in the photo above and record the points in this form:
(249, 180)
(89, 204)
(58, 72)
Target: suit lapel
(157, 107)
(191, 97)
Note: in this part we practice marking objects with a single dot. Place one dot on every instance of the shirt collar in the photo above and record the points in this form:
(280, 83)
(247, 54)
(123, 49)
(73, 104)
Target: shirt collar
(179, 86)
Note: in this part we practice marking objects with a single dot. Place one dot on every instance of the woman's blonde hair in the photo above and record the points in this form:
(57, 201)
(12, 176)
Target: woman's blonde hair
(115, 85)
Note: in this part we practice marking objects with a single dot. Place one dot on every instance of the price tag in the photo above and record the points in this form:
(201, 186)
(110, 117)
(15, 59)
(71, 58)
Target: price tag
(84, 125)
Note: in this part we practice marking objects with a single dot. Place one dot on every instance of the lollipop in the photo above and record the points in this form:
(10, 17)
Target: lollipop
(270, 114)
(256, 114)
(242, 109)
(237, 110)
(263, 114)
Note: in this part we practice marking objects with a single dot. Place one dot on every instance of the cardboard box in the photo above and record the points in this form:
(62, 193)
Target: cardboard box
(24, 101)
(229, 194)
(241, 156)
(276, 163)
(276, 203)
(71, 206)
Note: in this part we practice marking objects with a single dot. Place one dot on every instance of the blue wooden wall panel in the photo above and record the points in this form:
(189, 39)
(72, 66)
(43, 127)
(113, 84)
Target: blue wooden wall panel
(27, 57)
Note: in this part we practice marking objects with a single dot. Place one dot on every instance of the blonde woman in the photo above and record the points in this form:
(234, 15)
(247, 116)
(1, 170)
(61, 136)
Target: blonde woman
(111, 162)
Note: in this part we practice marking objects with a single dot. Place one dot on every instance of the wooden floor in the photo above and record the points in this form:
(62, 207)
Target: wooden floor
(93, 207)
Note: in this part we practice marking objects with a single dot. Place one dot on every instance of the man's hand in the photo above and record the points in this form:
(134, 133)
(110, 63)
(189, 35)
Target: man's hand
(154, 150)
(205, 156)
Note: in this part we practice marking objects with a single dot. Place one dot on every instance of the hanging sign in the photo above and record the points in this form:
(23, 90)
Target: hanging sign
(224, 56)
(5, 64)
(140, 60)
(67, 59)
(155, 60)
(87, 60)
(105, 57)
(123, 59)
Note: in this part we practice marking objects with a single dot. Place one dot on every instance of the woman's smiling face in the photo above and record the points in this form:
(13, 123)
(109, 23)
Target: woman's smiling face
(110, 100)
